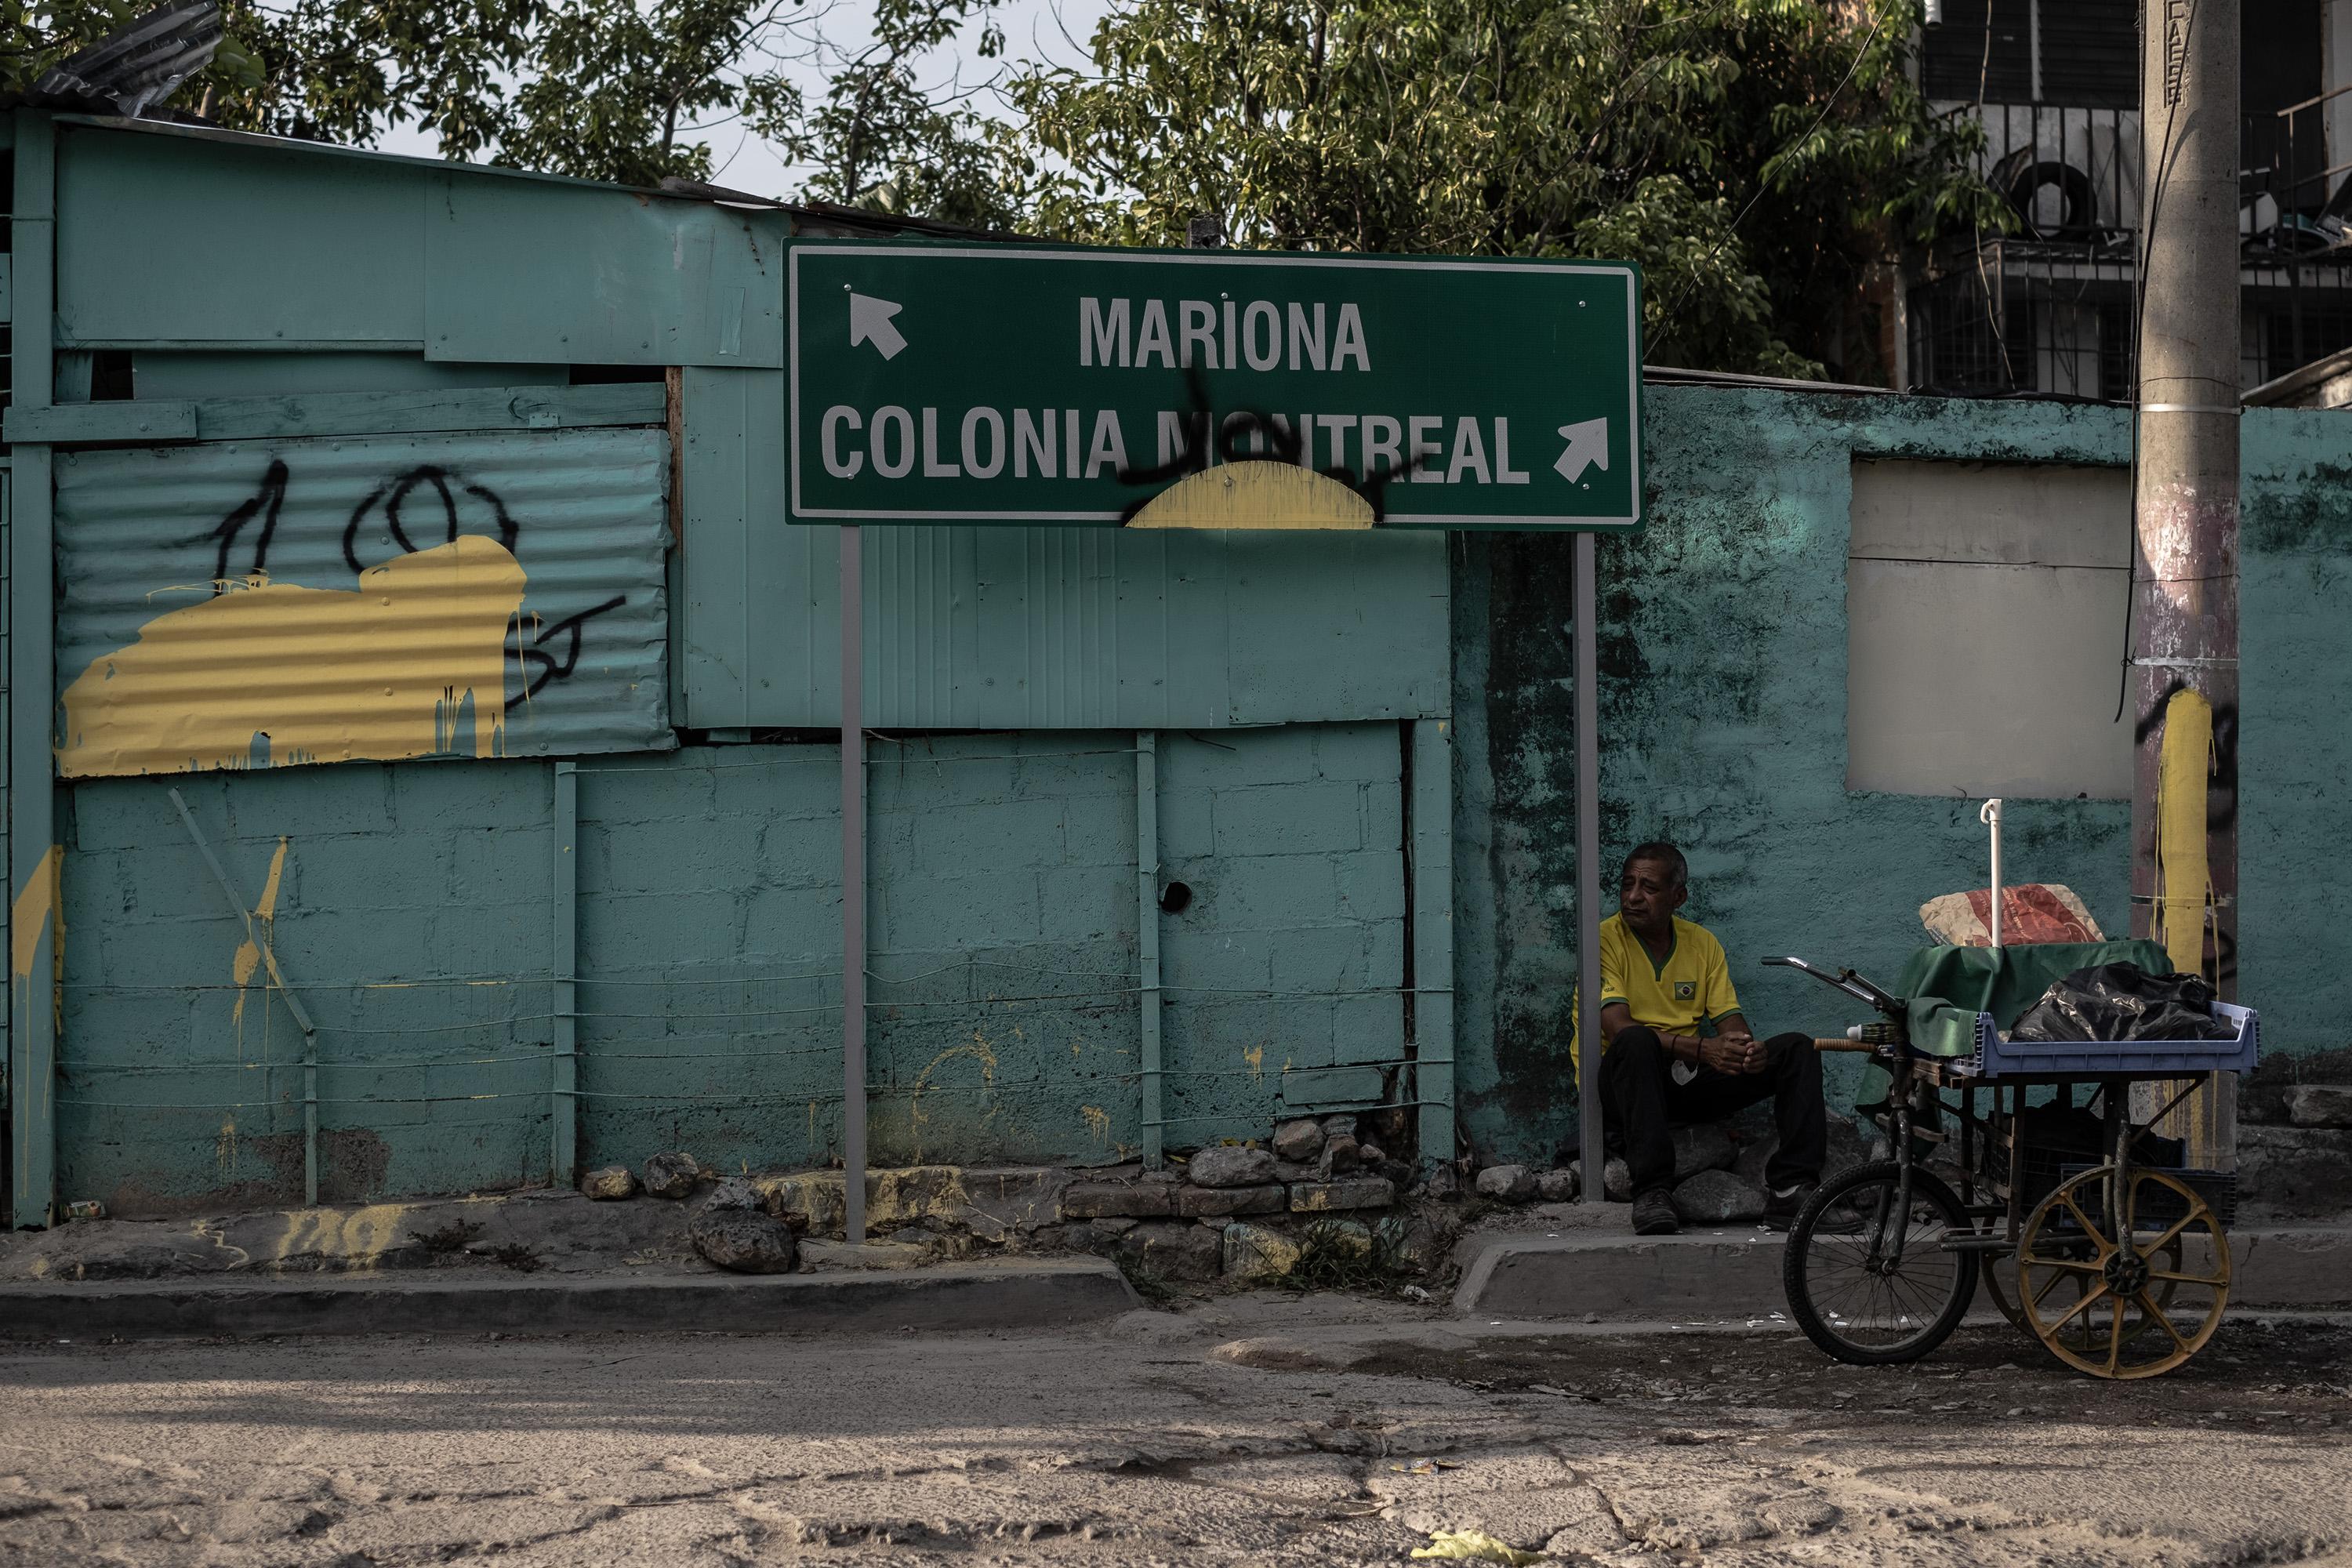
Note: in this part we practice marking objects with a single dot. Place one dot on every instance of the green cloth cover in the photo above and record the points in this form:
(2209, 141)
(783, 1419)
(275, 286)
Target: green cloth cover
(1946, 987)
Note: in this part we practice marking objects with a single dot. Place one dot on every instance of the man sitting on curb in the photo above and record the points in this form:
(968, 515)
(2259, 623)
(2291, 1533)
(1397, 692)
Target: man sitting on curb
(1662, 977)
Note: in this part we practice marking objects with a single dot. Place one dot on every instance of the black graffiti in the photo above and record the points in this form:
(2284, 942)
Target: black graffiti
(551, 655)
(1248, 434)
(392, 494)
(265, 503)
(551, 667)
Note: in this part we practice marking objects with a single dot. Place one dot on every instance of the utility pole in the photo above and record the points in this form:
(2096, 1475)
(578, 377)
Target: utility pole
(2184, 643)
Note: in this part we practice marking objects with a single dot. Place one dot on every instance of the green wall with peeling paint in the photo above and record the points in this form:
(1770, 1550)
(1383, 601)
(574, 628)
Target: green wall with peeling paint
(1723, 693)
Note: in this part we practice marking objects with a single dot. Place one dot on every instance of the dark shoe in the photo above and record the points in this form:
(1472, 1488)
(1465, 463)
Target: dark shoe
(1653, 1214)
(1781, 1205)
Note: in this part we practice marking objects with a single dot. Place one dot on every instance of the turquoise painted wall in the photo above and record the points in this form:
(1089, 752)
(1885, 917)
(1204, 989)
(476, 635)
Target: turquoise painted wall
(414, 912)
(2294, 949)
(1723, 676)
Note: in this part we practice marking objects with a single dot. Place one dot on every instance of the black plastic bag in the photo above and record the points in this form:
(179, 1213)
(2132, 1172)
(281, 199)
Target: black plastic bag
(2124, 1002)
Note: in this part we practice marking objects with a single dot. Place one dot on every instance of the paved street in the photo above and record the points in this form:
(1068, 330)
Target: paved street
(1133, 1443)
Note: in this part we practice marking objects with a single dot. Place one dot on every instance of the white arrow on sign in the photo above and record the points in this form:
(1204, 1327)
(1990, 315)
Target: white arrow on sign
(1588, 443)
(869, 323)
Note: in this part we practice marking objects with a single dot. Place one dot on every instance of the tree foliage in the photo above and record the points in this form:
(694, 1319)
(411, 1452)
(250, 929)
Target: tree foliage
(1756, 156)
(891, 137)
(605, 89)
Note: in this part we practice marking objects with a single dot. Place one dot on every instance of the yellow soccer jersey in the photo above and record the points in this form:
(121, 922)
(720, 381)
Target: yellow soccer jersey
(1693, 983)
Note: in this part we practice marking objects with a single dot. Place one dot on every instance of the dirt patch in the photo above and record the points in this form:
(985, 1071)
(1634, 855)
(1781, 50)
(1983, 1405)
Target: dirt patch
(2258, 1376)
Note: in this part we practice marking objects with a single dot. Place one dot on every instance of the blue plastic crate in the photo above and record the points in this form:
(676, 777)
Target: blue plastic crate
(1996, 1056)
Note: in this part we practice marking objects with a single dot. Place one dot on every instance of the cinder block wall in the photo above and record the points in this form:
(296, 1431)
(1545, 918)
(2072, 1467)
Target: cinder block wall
(412, 914)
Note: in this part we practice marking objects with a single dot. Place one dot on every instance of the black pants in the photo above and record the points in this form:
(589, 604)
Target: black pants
(1642, 1099)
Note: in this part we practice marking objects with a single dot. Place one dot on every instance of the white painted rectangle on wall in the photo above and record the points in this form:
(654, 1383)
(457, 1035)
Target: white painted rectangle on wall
(1985, 610)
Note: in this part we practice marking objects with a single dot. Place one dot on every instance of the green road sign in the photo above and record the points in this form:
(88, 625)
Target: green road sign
(1026, 384)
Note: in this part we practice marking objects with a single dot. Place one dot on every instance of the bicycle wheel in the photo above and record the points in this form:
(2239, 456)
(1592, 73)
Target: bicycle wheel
(1849, 1295)
(2177, 1279)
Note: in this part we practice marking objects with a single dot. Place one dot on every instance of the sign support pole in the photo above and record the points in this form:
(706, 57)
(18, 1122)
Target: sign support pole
(1591, 1148)
(853, 889)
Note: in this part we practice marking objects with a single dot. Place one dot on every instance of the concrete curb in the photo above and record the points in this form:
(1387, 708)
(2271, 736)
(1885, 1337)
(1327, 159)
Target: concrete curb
(1041, 1293)
(1737, 1273)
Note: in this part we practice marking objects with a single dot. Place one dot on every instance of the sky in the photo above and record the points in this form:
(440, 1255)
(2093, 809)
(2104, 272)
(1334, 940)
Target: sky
(1034, 32)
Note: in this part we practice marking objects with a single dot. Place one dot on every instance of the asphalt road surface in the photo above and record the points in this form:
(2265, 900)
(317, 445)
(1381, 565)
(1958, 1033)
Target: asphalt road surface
(1331, 1434)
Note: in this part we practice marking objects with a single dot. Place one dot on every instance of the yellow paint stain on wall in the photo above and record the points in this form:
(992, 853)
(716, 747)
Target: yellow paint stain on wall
(978, 1051)
(271, 672)
(1255, 1057)
(35, 908)
(1097, 1121)
(248, 952)
(2183, 871)
(35, 904)
(1255, 494)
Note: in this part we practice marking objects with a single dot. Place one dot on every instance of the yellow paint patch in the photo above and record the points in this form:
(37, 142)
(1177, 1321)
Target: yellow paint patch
(977, 1052)
(2183, 873)
(1097, 1121)
(319, 674)
(1255, 494)
(248, 953)
(1255, 1057)
(358, 1238)
(37, 902)
(37, 906)
(267, 909)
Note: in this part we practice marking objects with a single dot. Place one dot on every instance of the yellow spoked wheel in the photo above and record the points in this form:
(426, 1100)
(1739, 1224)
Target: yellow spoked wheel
(2111, 1315)
(1998, 1272)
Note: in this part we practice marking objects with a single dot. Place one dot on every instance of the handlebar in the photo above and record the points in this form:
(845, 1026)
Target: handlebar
(1847, 981)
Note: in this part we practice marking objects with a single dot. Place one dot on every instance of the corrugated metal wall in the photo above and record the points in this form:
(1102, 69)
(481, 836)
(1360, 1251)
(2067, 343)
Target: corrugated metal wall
(251, 603)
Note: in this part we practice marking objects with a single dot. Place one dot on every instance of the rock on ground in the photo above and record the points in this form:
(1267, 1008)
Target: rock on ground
(1422, 1247)
(1227, 1167)
(744, 1240)
(609, 1183)
(732, 1193)
(1174, 1250)
(1512, 1184)
(1706, 1147)
(2320, 1105)
(1341, 1154)
(1716, 1197)
(1847, 1148)
(1298, 1141)
(1443, 1184)
(672, 1175)
(1252, 1252)
(1556, 1186)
